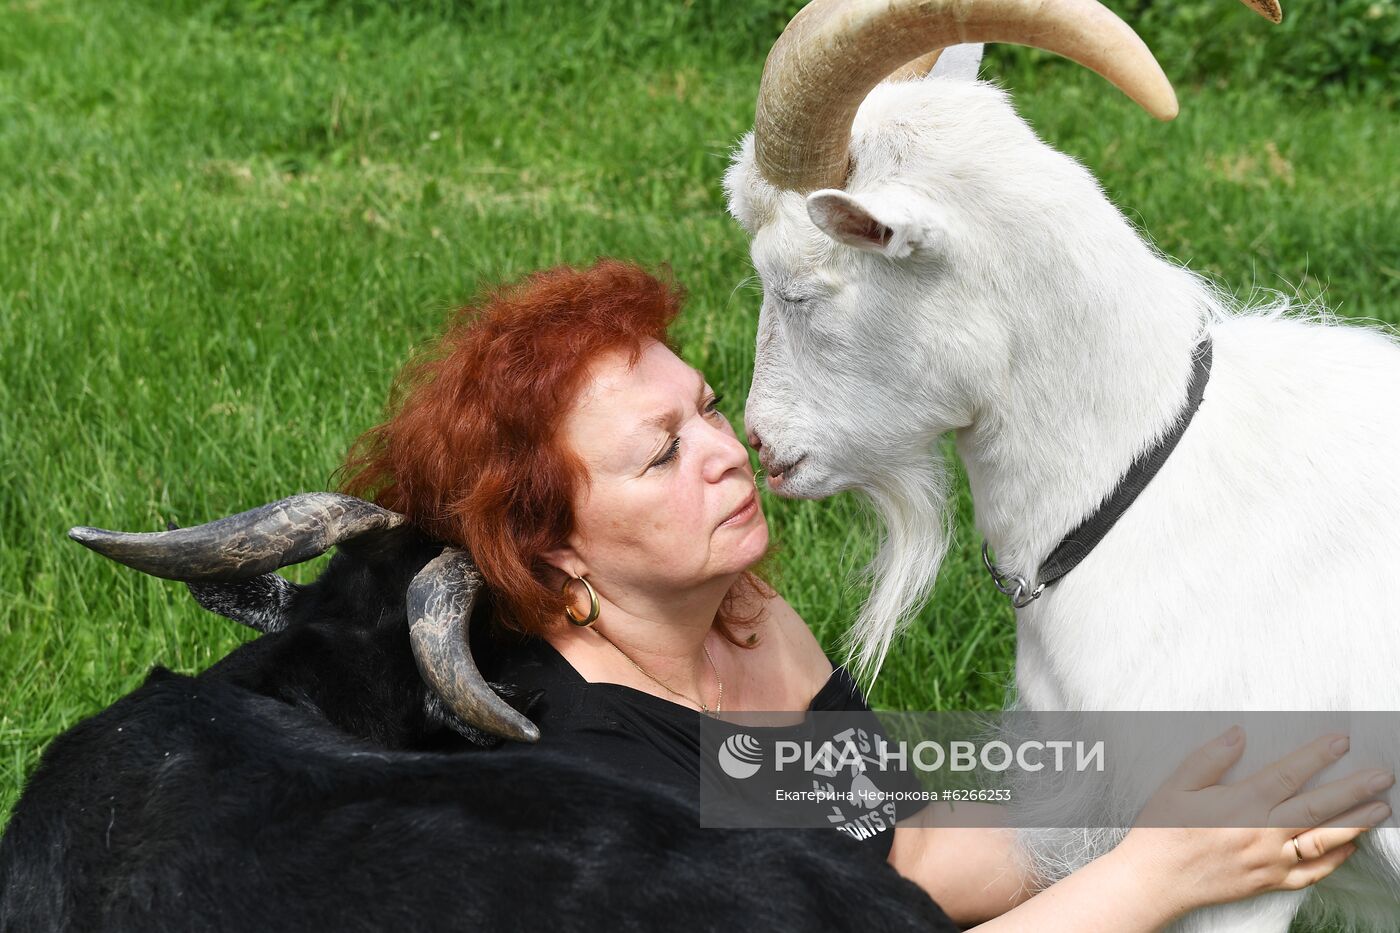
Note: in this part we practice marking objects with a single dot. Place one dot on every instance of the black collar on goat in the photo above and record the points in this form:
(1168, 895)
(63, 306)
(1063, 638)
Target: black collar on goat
(1077, 543)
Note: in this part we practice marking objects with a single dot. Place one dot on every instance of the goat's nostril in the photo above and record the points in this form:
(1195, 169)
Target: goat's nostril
(755, 441)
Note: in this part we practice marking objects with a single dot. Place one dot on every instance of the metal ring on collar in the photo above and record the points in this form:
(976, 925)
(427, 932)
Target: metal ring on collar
(1015, 586)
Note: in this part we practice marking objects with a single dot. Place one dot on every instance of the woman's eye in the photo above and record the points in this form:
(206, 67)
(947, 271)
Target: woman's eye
(670, 453)
(711, 408)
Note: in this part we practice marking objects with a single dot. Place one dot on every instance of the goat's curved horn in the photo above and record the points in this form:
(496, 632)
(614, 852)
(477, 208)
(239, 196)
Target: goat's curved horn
(440, 601)
(1269, 9)
(259, 602)
(248, 544)
(918, 68)
(835, 51)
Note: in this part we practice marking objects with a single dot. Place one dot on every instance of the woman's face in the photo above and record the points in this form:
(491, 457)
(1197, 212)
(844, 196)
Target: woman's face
(670, 502)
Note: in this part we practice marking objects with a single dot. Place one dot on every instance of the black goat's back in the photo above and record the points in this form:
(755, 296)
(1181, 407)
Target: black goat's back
(200, 806)
(310, 781)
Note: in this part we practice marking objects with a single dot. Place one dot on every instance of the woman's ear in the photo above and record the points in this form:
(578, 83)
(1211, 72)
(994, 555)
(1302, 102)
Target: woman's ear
(566, 560)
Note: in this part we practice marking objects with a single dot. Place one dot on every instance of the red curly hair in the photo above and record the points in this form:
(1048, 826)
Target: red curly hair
(470, 451)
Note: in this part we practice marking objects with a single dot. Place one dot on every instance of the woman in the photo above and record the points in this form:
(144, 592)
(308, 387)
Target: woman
(554, 432)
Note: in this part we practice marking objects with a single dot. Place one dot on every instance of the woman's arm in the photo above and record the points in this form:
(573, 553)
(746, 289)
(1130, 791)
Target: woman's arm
(1156, 874)
(971, 872)
(1118, 891)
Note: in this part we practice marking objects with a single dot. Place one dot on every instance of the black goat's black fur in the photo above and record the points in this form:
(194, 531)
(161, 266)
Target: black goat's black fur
(309, 780)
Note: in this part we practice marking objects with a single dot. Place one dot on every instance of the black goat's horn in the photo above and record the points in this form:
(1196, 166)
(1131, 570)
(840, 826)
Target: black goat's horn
(260, 602)
(248, 544)
(229, 565)
(440, 601)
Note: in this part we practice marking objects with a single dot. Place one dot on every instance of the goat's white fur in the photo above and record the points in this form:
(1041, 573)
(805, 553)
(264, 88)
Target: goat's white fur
(972, 279)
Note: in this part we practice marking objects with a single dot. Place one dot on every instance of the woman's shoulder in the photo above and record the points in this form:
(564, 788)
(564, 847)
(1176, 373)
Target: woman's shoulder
(802, 649)
(787, 667)
(829, 684)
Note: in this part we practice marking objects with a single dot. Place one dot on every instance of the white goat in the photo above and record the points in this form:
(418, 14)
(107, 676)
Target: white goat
(939, 268)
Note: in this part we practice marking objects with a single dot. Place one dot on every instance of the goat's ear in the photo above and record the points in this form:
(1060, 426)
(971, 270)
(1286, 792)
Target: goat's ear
(959, 61)
(875, 222)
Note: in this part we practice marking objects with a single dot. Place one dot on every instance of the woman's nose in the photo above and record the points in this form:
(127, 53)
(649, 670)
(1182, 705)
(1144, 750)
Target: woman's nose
(728, 454)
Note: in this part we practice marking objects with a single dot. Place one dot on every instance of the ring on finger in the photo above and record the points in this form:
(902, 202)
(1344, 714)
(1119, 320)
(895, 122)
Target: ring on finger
(1297, 849)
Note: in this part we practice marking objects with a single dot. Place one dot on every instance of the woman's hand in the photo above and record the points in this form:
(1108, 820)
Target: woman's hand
(1158, 873)
(1212, 865)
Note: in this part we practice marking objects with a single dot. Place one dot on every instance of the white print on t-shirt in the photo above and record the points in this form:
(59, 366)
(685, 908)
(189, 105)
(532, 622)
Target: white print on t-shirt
(862, 814)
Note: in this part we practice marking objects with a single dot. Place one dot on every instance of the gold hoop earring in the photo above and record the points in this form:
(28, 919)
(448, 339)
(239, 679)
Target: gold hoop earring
(593, 606)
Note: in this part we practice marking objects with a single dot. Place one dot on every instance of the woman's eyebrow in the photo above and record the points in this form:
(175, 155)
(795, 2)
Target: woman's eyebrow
(664, 421)
(669, 419)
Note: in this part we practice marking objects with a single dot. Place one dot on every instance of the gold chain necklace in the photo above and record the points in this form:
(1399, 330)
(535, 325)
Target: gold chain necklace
(719, 701)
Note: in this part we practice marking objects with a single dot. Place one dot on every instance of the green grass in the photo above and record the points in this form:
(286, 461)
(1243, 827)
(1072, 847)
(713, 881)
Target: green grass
(223, 227)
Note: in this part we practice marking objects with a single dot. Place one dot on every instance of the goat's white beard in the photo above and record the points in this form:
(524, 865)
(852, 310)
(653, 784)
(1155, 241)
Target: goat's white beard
(916, 528)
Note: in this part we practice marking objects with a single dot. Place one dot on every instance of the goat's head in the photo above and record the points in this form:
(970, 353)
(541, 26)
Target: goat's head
(907, 234)
(231, 567)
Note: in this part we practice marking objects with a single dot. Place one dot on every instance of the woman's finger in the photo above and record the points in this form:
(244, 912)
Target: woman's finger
(1318, 841)
(1321, 804)
(1314, 870)
(1207, 765)
(1276, 782)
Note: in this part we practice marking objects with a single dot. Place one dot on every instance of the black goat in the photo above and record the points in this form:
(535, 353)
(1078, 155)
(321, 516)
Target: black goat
(312, 779)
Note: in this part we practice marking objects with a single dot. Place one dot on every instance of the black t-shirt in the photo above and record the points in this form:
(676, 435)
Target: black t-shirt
(644, 735)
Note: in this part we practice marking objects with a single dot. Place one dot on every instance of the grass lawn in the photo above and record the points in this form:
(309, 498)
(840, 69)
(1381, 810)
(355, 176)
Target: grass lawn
(223, 227)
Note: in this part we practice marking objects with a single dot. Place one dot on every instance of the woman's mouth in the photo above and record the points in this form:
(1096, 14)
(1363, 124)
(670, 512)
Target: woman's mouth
(744, 512)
